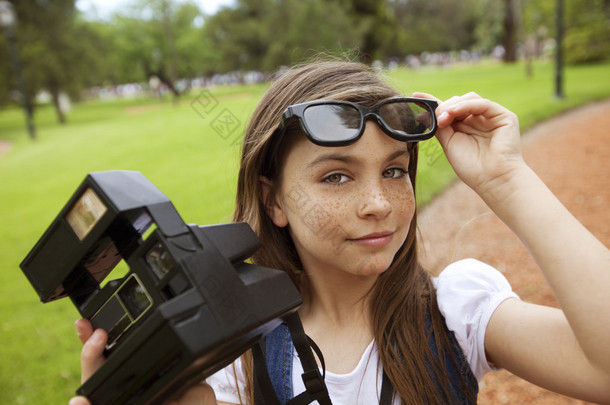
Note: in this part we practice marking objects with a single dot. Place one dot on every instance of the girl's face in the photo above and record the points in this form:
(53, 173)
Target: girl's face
(348, 208)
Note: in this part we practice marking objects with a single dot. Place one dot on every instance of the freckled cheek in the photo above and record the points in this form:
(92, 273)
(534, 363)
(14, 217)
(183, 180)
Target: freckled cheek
(311, 213)
(401, 197)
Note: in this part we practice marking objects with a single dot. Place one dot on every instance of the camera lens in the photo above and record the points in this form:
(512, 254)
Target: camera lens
(159, 260)
(134, 297)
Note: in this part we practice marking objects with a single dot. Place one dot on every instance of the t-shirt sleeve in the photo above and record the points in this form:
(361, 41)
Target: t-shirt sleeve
(228, 383)
(468, 293)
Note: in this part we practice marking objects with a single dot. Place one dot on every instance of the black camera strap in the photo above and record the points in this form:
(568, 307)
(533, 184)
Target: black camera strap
(315, 388)
(262, 382)
(387, 391)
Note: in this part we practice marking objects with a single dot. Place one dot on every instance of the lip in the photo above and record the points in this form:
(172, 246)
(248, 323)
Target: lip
(375, 239)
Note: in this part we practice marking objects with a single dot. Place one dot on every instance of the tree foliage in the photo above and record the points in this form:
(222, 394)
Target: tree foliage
(258, 34)
(51, 56)
(433, 25)
(588, 34)
(63, 51)
(156, 37)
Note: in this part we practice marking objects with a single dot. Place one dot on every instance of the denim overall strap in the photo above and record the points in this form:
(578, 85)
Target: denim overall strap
(273, 359)
(279, 352)
(454, 371)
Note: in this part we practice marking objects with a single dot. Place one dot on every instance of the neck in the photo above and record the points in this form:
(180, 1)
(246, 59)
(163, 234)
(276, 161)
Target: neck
(335, 300)
(336, 315)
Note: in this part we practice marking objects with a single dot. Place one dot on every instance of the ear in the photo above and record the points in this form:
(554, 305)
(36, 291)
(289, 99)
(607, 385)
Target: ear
(273, 207)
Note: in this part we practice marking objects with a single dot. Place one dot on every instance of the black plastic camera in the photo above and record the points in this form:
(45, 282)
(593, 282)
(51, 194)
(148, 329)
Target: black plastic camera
(188, 305)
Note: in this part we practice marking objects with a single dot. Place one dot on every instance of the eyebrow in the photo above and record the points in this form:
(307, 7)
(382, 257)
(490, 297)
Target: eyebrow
(349, 159)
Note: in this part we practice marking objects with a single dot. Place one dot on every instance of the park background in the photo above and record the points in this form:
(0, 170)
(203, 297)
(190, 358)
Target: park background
(165, 89)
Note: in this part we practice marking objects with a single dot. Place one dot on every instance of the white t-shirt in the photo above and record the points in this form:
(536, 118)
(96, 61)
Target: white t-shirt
(468, 292)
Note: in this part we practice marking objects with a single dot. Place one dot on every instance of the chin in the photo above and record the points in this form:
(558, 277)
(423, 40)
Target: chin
(371, 267)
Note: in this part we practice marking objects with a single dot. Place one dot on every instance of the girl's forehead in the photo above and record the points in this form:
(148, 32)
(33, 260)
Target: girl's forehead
(373, 146)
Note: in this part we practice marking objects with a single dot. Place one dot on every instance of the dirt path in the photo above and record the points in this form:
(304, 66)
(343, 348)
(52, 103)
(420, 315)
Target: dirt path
(571, 154)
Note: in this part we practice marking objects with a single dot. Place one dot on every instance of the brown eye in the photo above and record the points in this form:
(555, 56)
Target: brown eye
(393, 173)
(336, 178)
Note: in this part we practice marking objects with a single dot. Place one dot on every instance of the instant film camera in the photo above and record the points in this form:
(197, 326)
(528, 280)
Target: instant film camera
(189, 304)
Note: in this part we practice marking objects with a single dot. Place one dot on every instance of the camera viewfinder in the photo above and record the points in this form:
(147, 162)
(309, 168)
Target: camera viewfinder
(86, 212)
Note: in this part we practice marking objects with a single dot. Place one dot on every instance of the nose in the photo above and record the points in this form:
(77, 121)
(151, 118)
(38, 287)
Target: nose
(374, 202)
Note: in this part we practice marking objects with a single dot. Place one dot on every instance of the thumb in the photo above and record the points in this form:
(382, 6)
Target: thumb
(79, 401)
(92, 355)
(83, 329)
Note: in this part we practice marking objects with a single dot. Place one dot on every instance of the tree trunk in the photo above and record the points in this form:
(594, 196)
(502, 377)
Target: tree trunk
(160, 73)
(61, 117)
(510, 32)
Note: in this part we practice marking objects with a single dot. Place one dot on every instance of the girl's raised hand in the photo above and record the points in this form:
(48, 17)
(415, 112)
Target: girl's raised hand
(480, 138)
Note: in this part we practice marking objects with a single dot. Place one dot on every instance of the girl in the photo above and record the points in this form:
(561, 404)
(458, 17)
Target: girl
(329, 189)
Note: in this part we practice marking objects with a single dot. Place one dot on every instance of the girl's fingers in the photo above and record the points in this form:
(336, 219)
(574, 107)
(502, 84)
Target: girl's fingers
(84, 330)
(491, 115)
(452, 100)
(92, 358)
(79, 401)
(447, 112)
(419, 94)
(444, 119)
(92, 355)
(456, 100)
(479, 106)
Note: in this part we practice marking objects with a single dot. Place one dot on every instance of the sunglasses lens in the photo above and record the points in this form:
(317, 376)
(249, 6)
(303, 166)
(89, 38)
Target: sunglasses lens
(408, 117)
(332, 122)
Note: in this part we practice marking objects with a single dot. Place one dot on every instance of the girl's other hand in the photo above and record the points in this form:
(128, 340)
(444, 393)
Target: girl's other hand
(480, 138)
(92, 358)
(79, 401)
(92, 354)
(200, 394)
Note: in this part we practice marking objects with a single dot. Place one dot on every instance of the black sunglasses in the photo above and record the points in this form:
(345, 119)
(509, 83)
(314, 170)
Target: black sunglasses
(340, 123)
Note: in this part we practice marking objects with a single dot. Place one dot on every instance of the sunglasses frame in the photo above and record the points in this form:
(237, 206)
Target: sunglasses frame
(297, 111)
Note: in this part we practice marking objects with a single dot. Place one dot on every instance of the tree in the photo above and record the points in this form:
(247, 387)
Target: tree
(433, 25)
(378, 27)
(587, 36)
(7, 84)
(52, 54)
(488, 30)
(242, 35)
(337, 32)
(266, 34)
(538, 22)
(157, 38)
(587, 31)
(61, 51)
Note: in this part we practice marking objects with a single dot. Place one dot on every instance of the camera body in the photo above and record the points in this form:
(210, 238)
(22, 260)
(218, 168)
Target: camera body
(188, 304)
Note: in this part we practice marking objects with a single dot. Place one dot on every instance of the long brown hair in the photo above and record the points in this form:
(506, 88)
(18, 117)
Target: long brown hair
(403, 299)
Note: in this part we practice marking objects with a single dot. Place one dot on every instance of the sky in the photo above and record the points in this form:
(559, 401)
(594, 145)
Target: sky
(103, 8)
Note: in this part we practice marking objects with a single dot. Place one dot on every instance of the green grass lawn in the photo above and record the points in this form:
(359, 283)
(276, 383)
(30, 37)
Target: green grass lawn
(183, 151)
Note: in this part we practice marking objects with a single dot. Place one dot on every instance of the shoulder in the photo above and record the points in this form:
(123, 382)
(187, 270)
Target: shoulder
(468, 293)
(469, 276)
